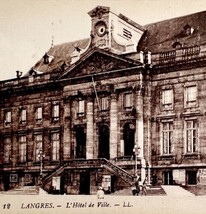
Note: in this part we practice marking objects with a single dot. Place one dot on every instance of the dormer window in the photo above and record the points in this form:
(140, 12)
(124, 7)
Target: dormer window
(75, 55)
(188, 30)
(47, 58)
(177, 45)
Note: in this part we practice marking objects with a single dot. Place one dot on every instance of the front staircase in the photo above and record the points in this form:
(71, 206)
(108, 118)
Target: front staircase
(89, 163)
(118, 171)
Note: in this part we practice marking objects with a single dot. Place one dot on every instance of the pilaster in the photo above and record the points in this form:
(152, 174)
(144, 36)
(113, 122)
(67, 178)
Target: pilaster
(90, 130)
(113, 126)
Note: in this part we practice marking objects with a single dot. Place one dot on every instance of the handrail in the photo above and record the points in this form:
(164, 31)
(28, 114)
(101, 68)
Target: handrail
(101, 162)
(119, 171)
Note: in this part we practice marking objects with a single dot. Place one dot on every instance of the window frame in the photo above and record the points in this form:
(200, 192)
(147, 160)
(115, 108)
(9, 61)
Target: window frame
(194, 146)
(191, 102)
(8, 118)
(56, 147)
(22, 148)
(23, 116)
(81, 107)
(38, 146)
(167, 105)
(104, 103)
(128, 101)
(169, 133)
(39, 114)
(7, 150)
(55, 112)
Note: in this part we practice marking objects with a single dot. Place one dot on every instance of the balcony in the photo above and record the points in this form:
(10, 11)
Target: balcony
(182, 56)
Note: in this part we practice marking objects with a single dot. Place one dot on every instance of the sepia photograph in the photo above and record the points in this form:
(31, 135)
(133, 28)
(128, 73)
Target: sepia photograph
(102, 106)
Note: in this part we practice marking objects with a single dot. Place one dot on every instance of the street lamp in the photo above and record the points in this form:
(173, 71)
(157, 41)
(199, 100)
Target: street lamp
(136, 151)
(41, 156)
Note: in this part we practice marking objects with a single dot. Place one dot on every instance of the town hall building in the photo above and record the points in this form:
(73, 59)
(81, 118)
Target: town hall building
(127, 101)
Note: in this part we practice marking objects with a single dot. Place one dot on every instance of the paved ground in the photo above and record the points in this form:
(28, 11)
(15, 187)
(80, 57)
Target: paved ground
(173, 203)
(176, 191)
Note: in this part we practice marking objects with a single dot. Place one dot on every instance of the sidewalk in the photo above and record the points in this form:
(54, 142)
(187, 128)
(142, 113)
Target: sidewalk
(176, 191)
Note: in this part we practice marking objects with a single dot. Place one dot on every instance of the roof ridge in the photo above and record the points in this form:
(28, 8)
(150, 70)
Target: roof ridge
(70, 42)
(174, 18)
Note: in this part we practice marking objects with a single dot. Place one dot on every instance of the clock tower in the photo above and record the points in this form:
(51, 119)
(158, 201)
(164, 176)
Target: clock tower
(116, 33)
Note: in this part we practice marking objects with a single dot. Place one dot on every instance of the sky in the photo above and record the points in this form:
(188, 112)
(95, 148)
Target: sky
(29, 27)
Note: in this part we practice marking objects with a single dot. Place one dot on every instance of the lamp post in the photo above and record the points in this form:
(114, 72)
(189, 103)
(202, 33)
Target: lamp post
(136, 151)
(41, 156)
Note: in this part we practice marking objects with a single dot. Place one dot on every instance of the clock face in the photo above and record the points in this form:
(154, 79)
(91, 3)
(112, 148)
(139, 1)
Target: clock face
(100, 28)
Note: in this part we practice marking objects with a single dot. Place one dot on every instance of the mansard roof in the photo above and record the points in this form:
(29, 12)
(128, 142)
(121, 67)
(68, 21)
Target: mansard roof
(60, 54)
(162, 35)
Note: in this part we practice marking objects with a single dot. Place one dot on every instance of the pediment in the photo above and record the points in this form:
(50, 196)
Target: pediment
(97, 61)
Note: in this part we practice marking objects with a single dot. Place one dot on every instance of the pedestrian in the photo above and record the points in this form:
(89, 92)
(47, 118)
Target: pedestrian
(100, 193)
(154, 179)
(144, 187)
(137, 187)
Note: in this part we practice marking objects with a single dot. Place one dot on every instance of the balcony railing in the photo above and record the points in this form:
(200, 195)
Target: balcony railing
(183, 55)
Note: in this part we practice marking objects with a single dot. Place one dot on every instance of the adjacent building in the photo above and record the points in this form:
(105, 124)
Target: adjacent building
(127, 101)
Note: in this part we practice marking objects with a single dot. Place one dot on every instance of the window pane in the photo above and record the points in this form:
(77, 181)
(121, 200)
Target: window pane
(81, 106)
(22, 148)
(39, 113)
(7, 150)
(167, 138)
(8, 117)
(55, 146)
(104, 103)
(23, 115)
(191, 93)
(128, 100)
(191, 137)
(167, 96)
(56, 111)
(38, 146)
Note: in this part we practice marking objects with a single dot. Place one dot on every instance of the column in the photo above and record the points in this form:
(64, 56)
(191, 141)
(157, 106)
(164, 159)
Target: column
(90, 130)
(67, 131)
(139, 134)
(113, 126)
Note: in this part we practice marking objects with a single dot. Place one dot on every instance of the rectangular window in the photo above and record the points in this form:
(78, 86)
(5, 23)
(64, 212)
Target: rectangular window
(38, 147)
(167, 98)
(7, 150)
(81, 107)
(191, 136)
(23, 116)
(39, 114)
(191, 96)
(8, 118)
(167, 138)
(128, 101)
(104, 102)
(55, 146)
(55, 112)
(22, 148)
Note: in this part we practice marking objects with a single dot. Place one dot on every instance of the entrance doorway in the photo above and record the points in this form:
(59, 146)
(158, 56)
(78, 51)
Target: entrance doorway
(81, 142)
(6, 180)
(128, 135)
(84, 188)
(167, 178)
(104, 142)
(191, 177)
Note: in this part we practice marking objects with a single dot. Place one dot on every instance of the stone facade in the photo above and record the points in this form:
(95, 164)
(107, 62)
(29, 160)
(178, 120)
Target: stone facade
(102, 114)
